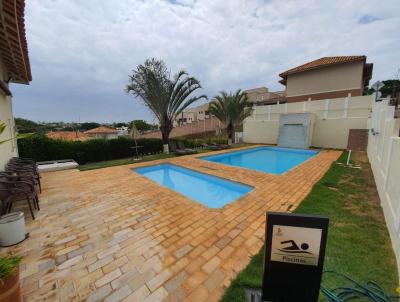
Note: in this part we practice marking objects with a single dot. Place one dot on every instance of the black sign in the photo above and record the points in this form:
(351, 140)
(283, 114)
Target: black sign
(294, 257)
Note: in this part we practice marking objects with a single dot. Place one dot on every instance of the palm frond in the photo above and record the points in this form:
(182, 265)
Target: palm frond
(232, 108)
(165, 97)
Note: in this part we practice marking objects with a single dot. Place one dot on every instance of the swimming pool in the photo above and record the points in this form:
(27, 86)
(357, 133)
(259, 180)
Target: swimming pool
(209, 190)
(265, 159)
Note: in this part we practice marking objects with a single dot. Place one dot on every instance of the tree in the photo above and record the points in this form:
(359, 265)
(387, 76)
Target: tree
(231, 109)
(142, 125)
(165, 97)
(88, 126)
(119, 125)
(388, 89)
(26, 126)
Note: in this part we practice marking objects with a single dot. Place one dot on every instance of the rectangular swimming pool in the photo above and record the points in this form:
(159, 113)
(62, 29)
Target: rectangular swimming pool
(209, 190)
(265, 159)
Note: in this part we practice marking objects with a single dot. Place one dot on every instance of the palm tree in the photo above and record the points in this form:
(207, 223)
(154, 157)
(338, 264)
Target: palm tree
(231, 109)
(164, 96)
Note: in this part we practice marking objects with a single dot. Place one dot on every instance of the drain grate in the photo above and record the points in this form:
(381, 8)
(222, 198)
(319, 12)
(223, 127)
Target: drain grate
(253, 295)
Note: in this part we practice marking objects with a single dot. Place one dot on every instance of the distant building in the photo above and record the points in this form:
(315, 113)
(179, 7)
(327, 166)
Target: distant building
(190, 115)
(69, 135)
(262, 96)
(326, 78)
(102, 132)
(122, 131)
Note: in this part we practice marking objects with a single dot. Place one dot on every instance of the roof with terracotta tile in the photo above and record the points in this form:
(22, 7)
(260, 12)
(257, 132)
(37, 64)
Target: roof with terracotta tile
(102, 130)
(13, 44)
(68, 135)
(322, 62)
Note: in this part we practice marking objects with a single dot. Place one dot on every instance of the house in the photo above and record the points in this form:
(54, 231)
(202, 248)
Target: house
(263, 96)
(327, 78)
(322, 105)
(122, 131)
(14, 68)
(68, 135)
(190, 115)
(102, 132)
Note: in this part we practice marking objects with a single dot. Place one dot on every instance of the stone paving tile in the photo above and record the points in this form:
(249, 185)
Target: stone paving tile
(119, 294)
(138, 295)
(100, 293)
(100, 263)
(70, 262)
(158, 280)
(108, 278)
(113, 234)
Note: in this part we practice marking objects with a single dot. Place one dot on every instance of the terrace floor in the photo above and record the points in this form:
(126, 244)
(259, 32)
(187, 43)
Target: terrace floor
(113, 235)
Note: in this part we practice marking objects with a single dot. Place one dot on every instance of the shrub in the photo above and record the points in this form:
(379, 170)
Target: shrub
(199, 142)
(42, 148)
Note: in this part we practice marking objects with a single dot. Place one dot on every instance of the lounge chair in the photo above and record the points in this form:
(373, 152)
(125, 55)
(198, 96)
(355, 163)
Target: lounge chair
(181, 146)
(174, 148)
(220, 146)
(211, 147)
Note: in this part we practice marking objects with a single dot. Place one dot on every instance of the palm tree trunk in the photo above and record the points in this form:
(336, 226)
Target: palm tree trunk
(229, 131)
(165, 140)
(166, 129)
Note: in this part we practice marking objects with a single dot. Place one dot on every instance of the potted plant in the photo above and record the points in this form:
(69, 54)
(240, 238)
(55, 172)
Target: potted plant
(9, 279)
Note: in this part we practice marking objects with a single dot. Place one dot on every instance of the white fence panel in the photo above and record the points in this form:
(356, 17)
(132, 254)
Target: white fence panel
(384, 156)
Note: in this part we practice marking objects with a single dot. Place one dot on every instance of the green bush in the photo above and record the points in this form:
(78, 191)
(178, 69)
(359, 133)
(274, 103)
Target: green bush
(42, 148)
(199, 142)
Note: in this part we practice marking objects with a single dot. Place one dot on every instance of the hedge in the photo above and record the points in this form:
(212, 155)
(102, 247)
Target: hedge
(42, 148)
(199, 142)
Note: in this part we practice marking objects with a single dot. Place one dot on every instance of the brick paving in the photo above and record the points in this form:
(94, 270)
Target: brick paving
(112, 235)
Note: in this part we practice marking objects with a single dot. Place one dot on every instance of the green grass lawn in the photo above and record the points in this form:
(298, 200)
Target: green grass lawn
(358, 241)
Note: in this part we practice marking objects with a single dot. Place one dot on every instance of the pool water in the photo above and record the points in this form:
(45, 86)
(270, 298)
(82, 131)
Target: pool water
(209, 190)
(265, 159)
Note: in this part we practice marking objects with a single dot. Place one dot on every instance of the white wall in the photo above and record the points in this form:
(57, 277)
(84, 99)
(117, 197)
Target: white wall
(384, 156)
(334, 119)
(347, 76)
(9, 148)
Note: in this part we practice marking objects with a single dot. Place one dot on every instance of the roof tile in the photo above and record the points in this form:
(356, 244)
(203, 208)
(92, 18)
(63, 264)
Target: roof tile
(101, 130)
(325, 61)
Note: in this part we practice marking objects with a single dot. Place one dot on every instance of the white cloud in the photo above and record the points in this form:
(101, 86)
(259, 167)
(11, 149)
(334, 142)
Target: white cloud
(82, 51)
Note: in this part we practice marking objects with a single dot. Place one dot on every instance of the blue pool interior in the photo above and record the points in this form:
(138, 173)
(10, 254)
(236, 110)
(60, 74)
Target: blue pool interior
(272, 160)
(209, 190)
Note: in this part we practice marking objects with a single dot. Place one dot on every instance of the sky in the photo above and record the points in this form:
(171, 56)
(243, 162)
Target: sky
(81, 52)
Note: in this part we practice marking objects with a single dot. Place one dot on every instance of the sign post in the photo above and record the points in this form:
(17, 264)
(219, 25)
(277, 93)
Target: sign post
(294, 257)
